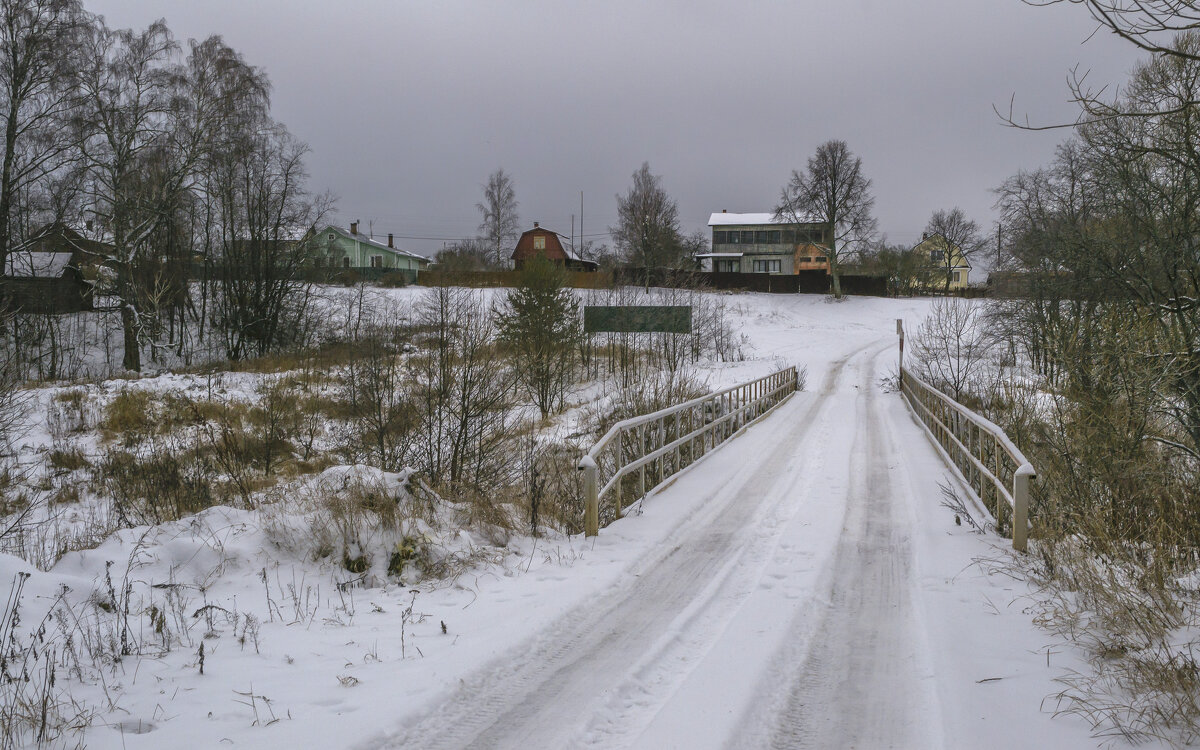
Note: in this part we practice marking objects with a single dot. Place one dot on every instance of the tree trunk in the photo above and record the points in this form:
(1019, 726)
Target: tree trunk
(133, 354)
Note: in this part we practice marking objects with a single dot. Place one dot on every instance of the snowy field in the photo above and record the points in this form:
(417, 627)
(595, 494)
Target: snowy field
(802, 587)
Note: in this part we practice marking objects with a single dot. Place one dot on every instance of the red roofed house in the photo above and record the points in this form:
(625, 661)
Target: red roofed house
(539, 241)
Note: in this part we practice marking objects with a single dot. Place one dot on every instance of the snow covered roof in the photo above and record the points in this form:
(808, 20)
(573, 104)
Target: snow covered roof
(724, 219)
(29, 265)
(376, 244)
(719, 255)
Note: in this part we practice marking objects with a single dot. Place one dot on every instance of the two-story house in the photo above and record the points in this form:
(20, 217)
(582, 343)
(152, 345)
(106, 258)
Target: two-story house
(759, 243)
(949, 267)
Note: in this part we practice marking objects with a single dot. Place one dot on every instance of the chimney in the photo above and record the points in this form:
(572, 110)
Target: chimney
(354, 227)
(722, 210)
(535, 225)
(390, 240)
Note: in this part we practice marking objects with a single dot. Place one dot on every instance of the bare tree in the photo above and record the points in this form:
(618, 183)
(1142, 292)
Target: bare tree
(127, 86)
(39, 44)
(647, 230)
(960, 240)
(1147, 24)
(500, 225)
(835, 192)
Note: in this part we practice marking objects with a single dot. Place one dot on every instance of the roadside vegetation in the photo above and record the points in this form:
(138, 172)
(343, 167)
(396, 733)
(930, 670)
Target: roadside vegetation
(1092, 366)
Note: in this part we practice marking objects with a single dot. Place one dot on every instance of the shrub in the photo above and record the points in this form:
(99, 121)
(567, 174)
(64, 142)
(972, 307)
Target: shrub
(128, 414)
(154, 488)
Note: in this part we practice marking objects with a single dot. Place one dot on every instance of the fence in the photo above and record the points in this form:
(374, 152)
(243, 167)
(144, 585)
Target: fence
(803, 282)
(979, 450)
(640, 453)
(575, 279)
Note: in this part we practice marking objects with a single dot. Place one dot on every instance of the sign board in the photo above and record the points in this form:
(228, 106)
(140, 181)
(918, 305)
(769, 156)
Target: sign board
(637, 319)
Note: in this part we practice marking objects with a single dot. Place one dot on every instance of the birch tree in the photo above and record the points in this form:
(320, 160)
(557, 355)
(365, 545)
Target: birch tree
(499, 228)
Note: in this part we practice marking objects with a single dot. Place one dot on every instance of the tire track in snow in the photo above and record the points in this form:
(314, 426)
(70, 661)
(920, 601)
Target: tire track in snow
(542, 693)
(857, 672)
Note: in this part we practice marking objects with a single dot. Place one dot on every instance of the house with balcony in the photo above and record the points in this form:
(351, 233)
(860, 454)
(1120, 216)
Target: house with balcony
(760, 243)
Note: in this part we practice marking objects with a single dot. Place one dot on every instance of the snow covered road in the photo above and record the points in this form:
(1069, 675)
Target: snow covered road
(796, 603)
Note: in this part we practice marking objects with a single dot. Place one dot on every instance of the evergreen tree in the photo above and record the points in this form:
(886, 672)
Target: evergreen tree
(540, 328)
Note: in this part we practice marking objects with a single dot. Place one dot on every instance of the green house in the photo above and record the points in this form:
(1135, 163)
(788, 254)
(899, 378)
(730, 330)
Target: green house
(334, 247)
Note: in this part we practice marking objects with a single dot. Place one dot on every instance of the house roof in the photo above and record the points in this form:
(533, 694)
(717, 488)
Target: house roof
(725, 219)
(567, 251)
(375, 244)
(58, 237)
(719, 255)
(23, 264)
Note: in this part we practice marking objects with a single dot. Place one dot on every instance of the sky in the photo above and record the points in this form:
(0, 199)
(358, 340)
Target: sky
(409, 106)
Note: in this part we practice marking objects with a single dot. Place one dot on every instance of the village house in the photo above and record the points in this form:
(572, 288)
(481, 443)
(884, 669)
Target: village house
(51, 271)
(544, 242)
(934, 248)
(334, 247)
(761, 243)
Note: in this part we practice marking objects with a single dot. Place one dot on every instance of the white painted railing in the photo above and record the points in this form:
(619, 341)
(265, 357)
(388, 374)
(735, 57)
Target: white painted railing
(640, 453)
(979, 450)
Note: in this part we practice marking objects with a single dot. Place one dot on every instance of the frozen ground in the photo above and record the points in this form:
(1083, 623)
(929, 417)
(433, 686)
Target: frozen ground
(803, 587)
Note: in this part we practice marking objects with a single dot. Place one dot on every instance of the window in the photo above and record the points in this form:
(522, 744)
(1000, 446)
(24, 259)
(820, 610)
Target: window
(332, 237)
(539, 243)
(760, 237)
(766, 266)
(820, 259)
(376, 261)
(937, 256)
(727, 266)
(956, 277)
(747, 236)
(806, 259)
(719, 238)
(773, 237)
(345, 261)
(789, 236)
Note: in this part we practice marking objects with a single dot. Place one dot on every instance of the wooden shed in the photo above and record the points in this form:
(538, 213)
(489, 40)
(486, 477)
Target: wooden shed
(44, 282)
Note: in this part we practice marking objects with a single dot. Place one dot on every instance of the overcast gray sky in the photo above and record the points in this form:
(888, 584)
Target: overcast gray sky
(408, 106)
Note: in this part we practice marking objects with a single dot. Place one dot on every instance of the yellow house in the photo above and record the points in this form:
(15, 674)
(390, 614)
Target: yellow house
(946, 261)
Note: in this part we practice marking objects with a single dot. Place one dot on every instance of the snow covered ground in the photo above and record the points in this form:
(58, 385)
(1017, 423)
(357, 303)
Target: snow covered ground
(802, 587)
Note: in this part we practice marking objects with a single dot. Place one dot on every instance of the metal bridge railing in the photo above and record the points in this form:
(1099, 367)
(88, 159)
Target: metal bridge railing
(983, 455)
(640, 453)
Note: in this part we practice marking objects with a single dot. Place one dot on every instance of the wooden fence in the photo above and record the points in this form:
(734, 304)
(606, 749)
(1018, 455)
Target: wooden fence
(575, 279)
(640, 453)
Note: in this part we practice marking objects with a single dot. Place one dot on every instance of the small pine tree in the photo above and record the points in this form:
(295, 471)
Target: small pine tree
(540, 328)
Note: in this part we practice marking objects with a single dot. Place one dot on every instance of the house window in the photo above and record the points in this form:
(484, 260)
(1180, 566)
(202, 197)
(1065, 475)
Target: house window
(956, 277)
(345, 261)
(719, 238)
(376, 261)
(766, 266)
(820, 259)
(727, 266)
(332, 237)
(937, 256)
(805, 259)
(760, 237)
(539, 243)
(773, 237)
(747, 236)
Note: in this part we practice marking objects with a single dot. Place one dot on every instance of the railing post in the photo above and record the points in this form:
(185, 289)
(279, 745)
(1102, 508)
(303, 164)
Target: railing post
(591, 508)
(1020, 521)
